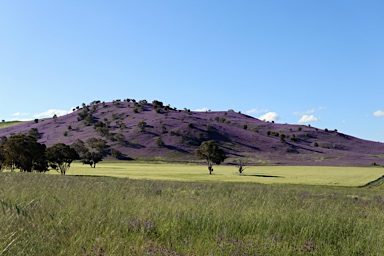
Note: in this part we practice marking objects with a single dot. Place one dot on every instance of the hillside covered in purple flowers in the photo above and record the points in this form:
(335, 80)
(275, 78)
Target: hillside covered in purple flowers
(154, 131)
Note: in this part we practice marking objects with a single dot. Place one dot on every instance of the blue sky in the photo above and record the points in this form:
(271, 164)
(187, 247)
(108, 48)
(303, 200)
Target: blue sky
(297, 62)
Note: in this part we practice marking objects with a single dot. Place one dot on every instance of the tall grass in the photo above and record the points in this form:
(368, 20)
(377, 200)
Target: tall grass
(57, 215)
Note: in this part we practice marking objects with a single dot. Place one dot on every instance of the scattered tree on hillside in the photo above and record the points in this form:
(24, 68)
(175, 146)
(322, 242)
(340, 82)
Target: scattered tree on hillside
(80, 147)
(211, 152)
(142, 126)
(55, 118)
(116, 153)
(159, 142)
(98, 144)
(34, 132)
(60, 156)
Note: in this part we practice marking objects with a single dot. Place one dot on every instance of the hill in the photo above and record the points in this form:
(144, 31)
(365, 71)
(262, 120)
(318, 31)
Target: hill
(142, 130)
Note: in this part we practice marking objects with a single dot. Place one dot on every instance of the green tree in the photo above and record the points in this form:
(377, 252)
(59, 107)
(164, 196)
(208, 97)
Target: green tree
(211, 152)
(159, 142)
(80, 147)
(34, 132)
(92, 158)
(142, 126)
(240, 165)
(25, 153)
(60, 156)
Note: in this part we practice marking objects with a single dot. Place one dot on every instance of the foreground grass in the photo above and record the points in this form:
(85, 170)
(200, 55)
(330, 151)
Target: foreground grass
(63, 215)
(310, 175)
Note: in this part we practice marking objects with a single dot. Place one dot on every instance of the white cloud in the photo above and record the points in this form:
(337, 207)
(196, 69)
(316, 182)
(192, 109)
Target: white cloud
(202, 110)
(270, 116)
(256, 111)
(309, 111)
(308, 118)
(51, 113)
(378, 113)
(20, 114)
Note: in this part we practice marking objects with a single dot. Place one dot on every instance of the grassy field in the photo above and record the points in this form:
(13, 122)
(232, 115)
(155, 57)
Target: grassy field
(65, 215)
(9, 124)
(308, 175)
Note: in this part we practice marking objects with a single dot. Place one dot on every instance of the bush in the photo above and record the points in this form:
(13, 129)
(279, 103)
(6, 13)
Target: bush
(190, 125)
(159, 142)
(245, 127)
(116, 153)
(142, 126)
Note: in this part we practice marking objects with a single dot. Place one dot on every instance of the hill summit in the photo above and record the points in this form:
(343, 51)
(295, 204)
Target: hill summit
(132, 129)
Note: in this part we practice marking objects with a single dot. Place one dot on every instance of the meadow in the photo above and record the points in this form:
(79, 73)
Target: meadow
(153, 214)
(305, 175)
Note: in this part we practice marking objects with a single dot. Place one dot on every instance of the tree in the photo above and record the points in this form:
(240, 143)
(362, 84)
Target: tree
(34, 132)
(210, 151)
(55, 118)
(25, 153)
(60, 156)
(240, 165)
(79, 147)
(142, 126)
(159, 142)
(92, 158)
(98, 144)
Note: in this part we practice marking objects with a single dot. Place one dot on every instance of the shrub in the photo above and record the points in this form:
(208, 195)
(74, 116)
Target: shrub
(142, 126)
(269, 133)
(36, 120)
(316, 144)
(116, 153)
(190, 125)
(299, 129)
(34, 132)
(65, 133)
(159, 142)
(245, 127)
(326, 130)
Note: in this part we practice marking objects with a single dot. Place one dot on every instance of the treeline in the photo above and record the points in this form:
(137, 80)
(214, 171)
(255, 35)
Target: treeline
(23, 152)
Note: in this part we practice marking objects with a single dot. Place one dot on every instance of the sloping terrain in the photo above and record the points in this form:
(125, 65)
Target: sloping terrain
(154, 131)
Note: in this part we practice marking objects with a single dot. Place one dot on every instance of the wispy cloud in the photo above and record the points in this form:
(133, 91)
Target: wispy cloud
(309, 111)
(51, 113)
(20, 114)
(308, 118)
(270, 116)
(202, 110)
(256, 111)
(378, 113)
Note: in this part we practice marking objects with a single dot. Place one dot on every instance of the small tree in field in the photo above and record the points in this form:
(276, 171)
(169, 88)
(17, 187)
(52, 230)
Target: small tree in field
(92, 158)
(61, 156)
(240, 165)
(210, 151)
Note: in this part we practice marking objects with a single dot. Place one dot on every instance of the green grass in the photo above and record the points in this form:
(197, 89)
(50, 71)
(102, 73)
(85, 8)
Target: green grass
(308, 175)
(9, 124)
(65, 215)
